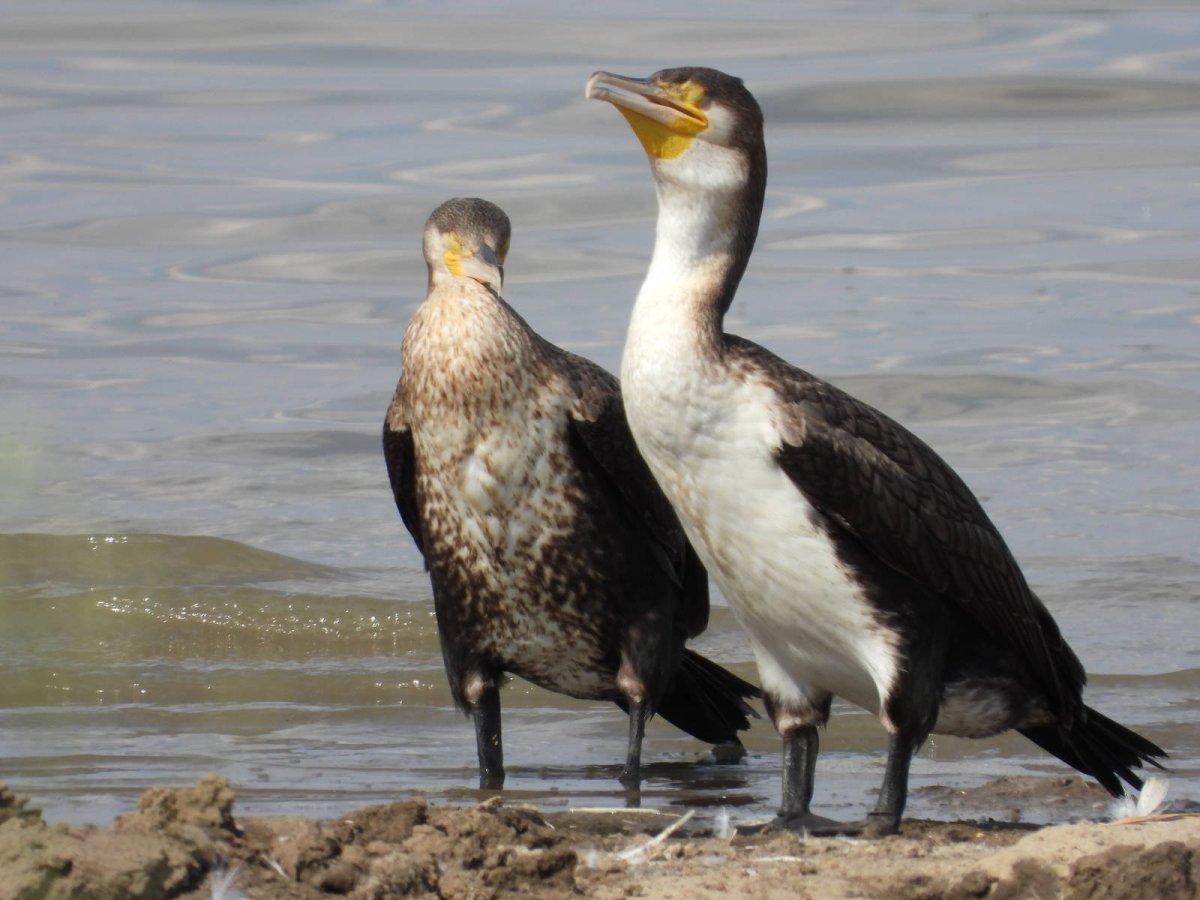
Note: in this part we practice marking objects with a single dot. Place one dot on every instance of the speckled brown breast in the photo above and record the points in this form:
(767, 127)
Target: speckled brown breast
(515, 550)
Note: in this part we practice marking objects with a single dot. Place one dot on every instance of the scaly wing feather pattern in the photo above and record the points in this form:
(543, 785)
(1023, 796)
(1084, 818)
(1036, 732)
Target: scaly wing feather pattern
(894, 494)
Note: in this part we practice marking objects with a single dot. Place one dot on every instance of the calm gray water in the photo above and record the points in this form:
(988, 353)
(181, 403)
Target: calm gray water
(982, 217)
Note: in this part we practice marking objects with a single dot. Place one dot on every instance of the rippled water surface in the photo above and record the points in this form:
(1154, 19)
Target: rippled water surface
(982, 217)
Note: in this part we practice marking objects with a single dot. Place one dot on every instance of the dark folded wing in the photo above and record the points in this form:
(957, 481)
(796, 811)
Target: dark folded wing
(874, 478)
(402, 471)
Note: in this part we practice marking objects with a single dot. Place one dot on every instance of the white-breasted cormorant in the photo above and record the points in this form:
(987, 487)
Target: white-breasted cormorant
(858, 561)
(552, 553)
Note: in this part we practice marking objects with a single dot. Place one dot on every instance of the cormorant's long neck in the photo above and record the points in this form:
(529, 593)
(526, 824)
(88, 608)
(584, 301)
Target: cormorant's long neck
(703, 242)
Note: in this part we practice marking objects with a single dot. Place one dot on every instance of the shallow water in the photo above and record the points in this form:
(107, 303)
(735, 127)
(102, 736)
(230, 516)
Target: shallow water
(984, 221)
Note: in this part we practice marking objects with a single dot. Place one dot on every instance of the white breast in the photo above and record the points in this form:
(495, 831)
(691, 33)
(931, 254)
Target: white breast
(709, 439)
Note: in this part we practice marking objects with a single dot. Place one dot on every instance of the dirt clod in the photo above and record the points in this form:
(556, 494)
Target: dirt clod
(182, 843)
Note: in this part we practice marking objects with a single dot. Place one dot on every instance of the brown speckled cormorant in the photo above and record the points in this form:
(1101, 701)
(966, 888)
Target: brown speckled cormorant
(858, 561)
(552, 552)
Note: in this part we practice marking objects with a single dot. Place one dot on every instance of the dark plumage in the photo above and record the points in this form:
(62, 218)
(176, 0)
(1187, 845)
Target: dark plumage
(860, 563)
(552, 553)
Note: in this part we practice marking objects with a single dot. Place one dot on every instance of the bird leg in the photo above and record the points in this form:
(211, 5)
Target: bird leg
(800, 747)
(485, 711)
(631, 775)
(885, 817)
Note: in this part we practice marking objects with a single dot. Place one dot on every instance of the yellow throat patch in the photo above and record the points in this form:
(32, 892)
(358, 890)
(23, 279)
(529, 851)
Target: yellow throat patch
(669, 141)
(454, 254)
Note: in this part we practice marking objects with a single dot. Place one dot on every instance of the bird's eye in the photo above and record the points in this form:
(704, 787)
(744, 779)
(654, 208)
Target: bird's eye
(687, 93)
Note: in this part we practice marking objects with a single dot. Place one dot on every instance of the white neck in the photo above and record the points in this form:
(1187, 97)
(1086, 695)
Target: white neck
(677, 307)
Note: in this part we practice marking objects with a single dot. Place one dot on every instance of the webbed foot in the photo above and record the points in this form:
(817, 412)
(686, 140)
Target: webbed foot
(806, 824)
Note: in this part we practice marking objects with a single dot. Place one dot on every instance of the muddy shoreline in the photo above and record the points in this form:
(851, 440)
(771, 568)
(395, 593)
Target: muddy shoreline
(188, 843)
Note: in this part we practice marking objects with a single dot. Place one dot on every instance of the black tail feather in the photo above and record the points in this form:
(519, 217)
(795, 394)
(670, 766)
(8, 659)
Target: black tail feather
(707, 701)
(1100, 747)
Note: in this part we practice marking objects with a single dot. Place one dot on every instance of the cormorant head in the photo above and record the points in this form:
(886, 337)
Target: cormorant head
(467, 238)
(700, 128)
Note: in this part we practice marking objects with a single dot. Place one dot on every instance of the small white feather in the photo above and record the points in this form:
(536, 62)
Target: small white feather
(1151, 799)
(222, 885)
(723, 825)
